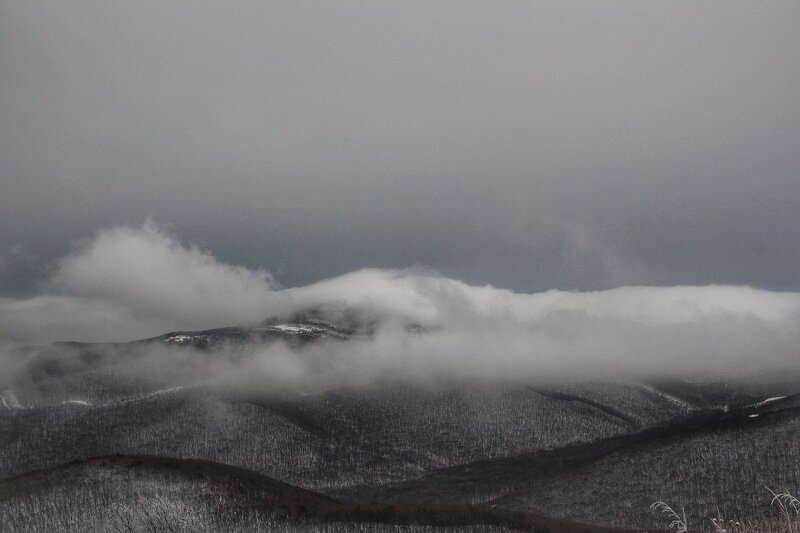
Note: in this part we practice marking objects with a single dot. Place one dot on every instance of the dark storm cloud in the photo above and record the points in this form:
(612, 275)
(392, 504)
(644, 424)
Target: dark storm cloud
(574, 145)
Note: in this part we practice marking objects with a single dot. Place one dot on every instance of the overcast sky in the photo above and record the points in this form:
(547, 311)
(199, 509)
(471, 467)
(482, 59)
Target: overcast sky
(581, 145)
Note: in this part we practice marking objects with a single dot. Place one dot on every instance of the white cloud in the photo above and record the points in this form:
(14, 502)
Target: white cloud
(134, 282)
(150, 274)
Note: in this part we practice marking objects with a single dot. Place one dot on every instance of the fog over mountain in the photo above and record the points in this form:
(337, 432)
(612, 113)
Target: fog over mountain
(137, 282)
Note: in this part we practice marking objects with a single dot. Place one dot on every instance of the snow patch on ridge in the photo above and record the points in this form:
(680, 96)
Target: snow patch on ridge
(294, 328)
(82, 403)
(8, 399)
(768, 400)
(185, 339)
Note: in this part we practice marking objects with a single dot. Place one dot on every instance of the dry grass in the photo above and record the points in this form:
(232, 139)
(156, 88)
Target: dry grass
(786, 505)
(677, 521)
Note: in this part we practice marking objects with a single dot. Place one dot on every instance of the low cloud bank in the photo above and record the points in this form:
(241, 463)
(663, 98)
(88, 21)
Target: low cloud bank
(127, 283)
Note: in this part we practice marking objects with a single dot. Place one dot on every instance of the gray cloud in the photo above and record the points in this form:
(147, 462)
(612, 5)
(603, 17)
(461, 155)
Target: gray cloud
(526, 145)
(152, 274)
(127, 283)
(136, 282)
